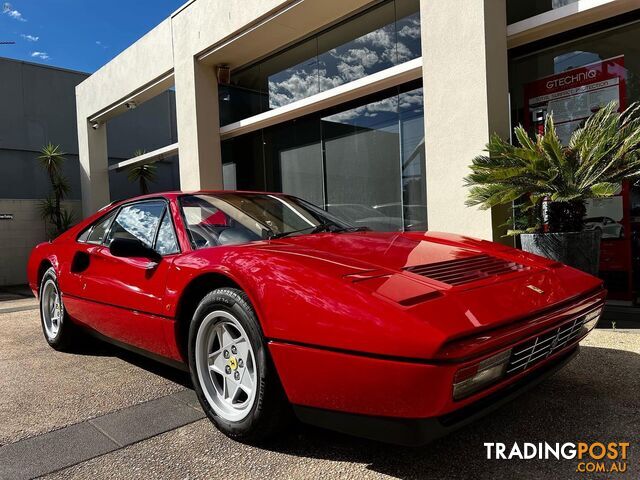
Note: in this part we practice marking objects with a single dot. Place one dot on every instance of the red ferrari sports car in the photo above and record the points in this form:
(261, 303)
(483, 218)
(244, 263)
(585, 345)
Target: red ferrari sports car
(279, 309)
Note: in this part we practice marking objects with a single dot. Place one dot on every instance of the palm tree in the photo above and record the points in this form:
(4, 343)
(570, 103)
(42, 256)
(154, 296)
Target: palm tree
(143, 174)
(51, 158)
(598, 157)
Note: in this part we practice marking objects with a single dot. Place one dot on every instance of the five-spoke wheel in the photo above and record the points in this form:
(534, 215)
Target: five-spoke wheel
(232, 374)
(226, 365)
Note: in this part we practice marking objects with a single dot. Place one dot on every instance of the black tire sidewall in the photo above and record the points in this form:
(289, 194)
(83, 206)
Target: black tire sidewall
(236, 303)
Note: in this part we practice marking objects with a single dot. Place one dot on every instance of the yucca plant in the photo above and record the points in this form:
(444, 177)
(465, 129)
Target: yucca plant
(598, 158)
(143, 174)
(52, 158)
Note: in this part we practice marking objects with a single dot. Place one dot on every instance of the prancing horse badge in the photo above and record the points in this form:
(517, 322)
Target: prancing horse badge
(535, 289)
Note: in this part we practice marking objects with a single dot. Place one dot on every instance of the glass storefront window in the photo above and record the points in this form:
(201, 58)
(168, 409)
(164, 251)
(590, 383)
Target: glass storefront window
(412, 153)
(293, 159)
(363, 46)
(243, 163)
(363, 161)
(241, 99)
(521, 9)
(362, 158)
(379, 38)
(571, 81)
(290, 76)
(408, 30)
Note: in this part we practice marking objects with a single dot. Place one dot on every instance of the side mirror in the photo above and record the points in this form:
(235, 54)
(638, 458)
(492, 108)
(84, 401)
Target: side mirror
(131, 247)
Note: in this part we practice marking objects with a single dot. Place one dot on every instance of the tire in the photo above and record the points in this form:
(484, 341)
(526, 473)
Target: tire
(228, 356)
(58, 330)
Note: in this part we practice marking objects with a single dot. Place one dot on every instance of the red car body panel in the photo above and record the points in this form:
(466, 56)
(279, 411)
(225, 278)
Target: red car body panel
(339, 308)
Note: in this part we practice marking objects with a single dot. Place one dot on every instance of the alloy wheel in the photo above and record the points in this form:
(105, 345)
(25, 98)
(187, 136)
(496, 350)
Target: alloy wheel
(226, 366)
(52, 309)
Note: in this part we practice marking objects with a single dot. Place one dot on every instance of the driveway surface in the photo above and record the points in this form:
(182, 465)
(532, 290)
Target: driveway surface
(106, 413)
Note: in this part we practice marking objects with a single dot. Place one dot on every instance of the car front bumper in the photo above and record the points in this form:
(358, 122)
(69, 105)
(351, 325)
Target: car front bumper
(419, 431)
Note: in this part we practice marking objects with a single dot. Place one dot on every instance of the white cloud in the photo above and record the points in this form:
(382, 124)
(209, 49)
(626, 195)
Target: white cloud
(371, 110)
(40, 55)
(411, 28)
(349, 73)
(410, 31)
(346, 63)
(8, 9)
(382, 38)
(30, 38)
(100, 44)
(300, 84)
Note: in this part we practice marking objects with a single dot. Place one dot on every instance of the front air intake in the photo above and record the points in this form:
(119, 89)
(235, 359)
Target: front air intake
(467, 270)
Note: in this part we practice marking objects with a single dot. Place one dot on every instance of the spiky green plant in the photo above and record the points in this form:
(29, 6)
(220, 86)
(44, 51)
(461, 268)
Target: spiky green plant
(143, 174)
(52, 158)
(599, 157)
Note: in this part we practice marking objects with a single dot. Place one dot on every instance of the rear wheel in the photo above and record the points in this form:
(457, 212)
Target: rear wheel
(232, 373)
(56, 326)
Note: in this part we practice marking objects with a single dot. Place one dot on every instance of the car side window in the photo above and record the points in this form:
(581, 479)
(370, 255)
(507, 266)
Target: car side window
(137, 221)
(99, 231)
(166, 243)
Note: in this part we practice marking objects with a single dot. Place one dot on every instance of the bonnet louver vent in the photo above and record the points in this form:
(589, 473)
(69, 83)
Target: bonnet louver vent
(467, 270)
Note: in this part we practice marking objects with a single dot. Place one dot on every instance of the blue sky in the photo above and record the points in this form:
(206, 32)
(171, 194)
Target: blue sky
(77, 34)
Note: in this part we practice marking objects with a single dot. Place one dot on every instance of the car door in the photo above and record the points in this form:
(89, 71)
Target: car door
(86, 244)
(127, 294)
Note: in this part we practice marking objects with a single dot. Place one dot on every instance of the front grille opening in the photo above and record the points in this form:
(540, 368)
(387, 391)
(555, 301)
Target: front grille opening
(537, 349)
(467, 270)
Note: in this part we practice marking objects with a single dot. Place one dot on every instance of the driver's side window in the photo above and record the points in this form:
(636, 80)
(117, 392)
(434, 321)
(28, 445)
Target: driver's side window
(137, 221)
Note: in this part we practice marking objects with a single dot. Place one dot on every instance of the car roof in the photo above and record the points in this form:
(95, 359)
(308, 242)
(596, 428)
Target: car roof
(178, 193)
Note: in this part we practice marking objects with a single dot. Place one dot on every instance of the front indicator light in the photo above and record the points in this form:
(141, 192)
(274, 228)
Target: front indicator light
(591, 319)
(470, 379)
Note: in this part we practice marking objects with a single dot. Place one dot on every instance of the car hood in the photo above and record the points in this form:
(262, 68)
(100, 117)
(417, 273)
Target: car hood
(396, 251)
(391, 267)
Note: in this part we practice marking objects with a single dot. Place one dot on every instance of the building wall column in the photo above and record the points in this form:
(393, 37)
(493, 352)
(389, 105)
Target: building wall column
(94, 164)
(198, 123)
(466, 99)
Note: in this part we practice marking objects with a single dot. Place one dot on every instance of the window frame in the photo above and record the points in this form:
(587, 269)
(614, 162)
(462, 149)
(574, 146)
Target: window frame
(90, 228)
(116, 211)
(165, 212)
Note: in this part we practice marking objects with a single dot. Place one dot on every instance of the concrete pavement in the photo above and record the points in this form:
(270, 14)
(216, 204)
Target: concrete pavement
(16, 299)
(105, 413)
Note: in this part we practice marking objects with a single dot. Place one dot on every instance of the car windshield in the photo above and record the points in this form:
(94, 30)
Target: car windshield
(230, 218)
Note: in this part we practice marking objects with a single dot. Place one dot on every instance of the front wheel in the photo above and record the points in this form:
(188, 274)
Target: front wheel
(233, 376)
(56, 326)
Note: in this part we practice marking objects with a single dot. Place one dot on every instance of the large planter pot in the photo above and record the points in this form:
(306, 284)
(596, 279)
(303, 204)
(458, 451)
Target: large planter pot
(580, 250)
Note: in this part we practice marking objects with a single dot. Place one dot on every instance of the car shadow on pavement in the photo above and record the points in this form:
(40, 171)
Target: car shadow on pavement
(595, 398)
(92, 346)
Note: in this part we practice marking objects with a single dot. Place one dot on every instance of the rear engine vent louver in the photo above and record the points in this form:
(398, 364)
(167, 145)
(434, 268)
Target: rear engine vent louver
(467, 270)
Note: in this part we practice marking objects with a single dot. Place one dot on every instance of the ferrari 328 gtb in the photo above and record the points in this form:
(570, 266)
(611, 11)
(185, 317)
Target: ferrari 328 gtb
(282, 310)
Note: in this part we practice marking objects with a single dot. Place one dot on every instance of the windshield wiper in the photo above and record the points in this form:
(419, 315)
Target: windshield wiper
(323, 227)
(350, 229)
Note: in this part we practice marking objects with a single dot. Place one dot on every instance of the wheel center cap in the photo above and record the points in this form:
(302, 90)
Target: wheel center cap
(233, 363)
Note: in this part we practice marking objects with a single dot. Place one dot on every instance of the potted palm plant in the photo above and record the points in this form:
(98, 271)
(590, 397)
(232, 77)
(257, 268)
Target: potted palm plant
(550, 182)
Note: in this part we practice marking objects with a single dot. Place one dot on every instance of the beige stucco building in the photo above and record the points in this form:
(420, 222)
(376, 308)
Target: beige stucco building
(373, 110)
